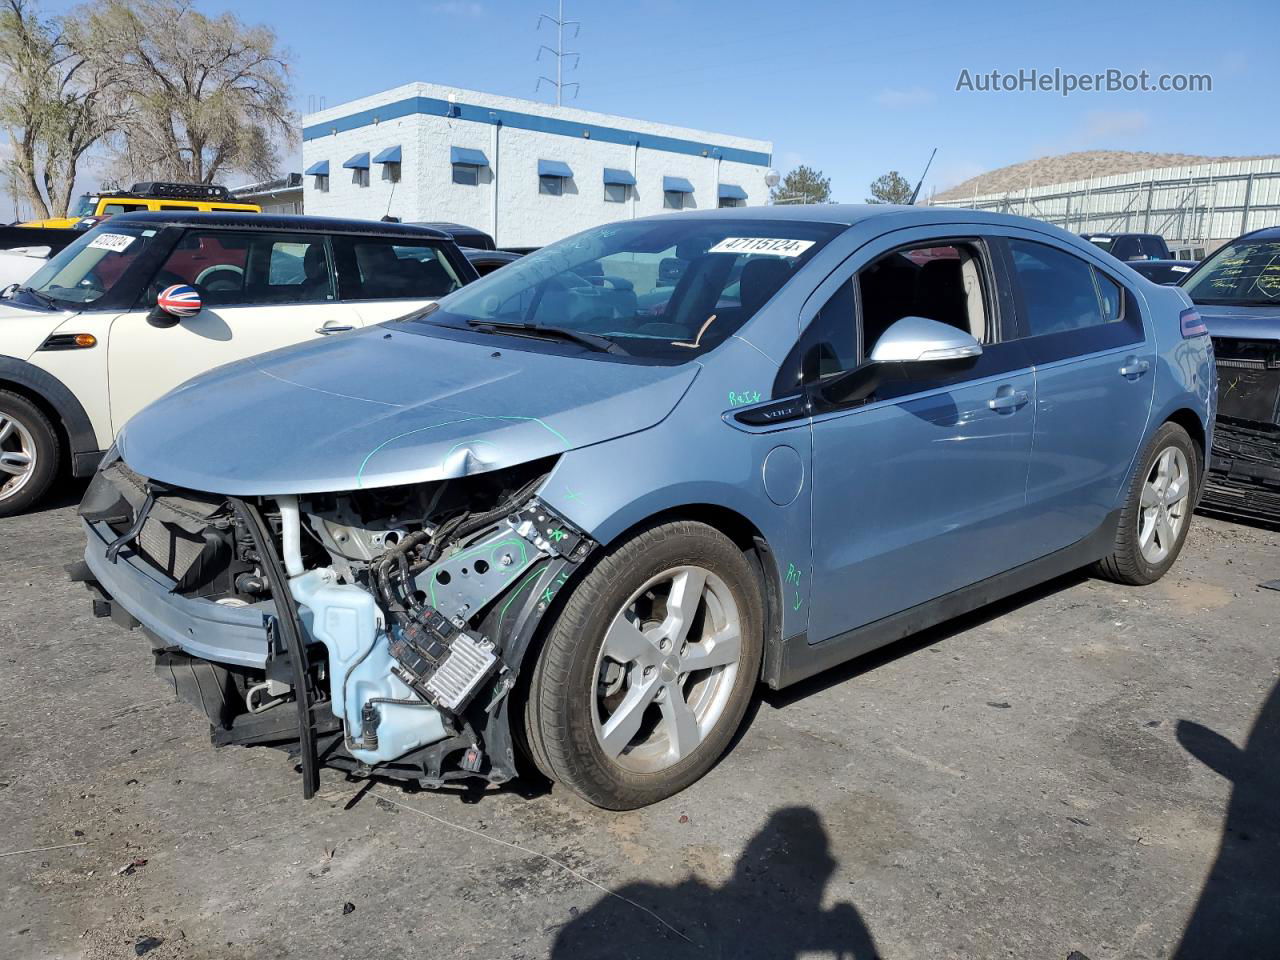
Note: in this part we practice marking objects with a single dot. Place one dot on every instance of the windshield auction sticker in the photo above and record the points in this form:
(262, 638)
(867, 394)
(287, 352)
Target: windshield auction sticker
(111, 241)
(776, 246)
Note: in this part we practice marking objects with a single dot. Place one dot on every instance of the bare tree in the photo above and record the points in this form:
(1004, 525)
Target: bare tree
(208, 95)
(54, 105)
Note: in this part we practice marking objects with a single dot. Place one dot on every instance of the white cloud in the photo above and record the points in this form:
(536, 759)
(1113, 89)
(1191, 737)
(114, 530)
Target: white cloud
(904, 99)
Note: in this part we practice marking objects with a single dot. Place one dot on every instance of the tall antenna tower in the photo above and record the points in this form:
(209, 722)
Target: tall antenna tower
(559, 53)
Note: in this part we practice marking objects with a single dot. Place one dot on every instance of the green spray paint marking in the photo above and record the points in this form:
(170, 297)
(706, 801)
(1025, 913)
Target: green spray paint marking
(741, 399)
(793, 574)
(570, 495)
(799, 601)
(448, 423)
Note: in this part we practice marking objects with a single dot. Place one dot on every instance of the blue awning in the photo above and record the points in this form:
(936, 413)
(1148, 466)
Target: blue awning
(621, 177)
(318, 169)
(468, 157)
(554, 168)
(389, 155)
(359, 162)
(731, 191)
(676, 185)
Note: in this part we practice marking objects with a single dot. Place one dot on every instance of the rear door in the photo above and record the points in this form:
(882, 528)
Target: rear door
(259, 291)
(1094, 365)
(387, 277)
(921, 488)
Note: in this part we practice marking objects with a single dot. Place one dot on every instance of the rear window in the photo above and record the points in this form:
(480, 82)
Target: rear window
(381, 268)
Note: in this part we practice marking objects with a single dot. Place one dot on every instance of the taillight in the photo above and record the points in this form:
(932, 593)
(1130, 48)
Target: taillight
(1191, 323)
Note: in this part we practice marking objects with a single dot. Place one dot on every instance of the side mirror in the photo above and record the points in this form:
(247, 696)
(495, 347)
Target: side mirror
(920, 340)
(912, 348)
(173, 304)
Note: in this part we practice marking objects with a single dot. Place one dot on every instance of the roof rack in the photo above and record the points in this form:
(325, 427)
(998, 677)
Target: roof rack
(164, 190)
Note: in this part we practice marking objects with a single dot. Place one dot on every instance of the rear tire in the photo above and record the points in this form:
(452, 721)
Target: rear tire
(647, 672)
(1157, 510)
(29, 453)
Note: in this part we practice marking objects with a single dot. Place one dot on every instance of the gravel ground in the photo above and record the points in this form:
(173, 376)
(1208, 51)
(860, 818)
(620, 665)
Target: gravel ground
(1084, 768)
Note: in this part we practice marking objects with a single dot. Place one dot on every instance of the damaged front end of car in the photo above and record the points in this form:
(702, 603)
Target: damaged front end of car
(380, 631)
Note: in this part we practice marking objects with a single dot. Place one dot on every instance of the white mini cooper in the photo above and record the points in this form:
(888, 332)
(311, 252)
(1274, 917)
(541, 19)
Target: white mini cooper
(146, 301)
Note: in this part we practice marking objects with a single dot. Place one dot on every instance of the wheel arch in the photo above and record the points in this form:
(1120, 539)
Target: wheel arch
(59, 404)
(743, 532)
(1190, 421)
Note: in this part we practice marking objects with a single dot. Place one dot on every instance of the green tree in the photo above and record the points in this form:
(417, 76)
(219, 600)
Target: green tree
(55, 105)
(208, 95)
(802, 185)
(891, 187)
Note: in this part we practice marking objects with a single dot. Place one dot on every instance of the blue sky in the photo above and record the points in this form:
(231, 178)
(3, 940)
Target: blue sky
(851, 88)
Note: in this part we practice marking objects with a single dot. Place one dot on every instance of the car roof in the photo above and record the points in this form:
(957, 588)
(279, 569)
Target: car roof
(1264, 233)
(849, 214)
(277, 222)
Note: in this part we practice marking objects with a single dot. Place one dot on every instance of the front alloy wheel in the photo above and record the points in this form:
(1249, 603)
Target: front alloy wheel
(649, 667)
(29, 452)
(666, 668)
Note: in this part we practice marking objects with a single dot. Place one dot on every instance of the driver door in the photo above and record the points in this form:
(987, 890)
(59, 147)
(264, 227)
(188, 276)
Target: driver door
(921, 488)
(259, 291)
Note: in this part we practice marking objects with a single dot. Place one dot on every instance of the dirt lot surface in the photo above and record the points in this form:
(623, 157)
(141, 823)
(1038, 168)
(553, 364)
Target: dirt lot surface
(1086, 768)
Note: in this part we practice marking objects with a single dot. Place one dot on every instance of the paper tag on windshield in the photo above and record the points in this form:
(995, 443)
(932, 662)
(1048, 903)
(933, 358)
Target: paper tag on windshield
(111, 241)
(775, 246)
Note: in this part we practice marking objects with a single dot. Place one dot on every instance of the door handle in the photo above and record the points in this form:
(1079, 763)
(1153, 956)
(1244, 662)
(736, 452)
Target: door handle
(1008, 400)
(332, 327)
(1133, 367)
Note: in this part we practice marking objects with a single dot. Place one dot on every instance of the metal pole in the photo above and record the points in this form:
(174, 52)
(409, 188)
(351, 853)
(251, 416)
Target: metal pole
(559, 52)
(1248, 196)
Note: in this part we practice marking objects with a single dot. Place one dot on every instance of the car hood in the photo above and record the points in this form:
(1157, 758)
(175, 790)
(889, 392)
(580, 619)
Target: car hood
(383, 407)
(1241, 323)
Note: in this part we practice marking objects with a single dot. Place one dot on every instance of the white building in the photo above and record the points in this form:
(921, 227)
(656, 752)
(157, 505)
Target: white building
(526, 172)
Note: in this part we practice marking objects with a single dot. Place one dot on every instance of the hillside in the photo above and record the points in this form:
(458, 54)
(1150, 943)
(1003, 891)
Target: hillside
(1070, 166)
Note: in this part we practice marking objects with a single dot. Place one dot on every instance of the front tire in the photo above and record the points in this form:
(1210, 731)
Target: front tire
(649, 668)
(28, 453)
(1157, 511)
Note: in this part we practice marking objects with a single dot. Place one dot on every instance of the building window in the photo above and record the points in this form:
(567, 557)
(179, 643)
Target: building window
(391, 172)
(360, 176)
(731, 202)
(551, 186)
(673, 199)
(615, 193)
(466, 175)
(322, 182)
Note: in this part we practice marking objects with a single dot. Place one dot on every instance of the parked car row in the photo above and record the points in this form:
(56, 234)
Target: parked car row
(569, 515)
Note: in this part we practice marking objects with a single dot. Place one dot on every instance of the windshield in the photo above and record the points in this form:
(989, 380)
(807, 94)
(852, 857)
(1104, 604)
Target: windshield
(90, 266)
(1241, 274)
(84, 206)
(662, 289)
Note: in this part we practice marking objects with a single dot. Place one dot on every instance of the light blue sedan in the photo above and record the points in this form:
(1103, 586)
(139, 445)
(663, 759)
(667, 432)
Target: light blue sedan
(575, 513)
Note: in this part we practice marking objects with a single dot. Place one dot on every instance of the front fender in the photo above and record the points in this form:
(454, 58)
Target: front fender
(81, 438)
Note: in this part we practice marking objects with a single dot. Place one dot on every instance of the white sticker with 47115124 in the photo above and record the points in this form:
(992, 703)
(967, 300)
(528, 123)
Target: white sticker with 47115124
(111, 241)
(777, 246)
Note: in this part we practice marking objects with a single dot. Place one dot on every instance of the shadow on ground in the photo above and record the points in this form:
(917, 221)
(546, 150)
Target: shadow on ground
(770, 907)
(1238, 912)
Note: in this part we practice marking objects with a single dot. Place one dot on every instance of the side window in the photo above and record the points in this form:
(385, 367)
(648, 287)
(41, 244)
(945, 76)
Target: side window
(942, 283)
(1058, 291)
(1126, 248)
(387, 269)
(244, 269)
(123, 207)
(829, 344)
(1112, 297)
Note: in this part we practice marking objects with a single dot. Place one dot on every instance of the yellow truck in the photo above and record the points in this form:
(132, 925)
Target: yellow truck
(149, 195)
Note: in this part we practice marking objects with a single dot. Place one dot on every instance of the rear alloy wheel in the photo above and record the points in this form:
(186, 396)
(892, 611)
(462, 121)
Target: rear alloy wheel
(1157, 511)
(649, 668)
(28, 453)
